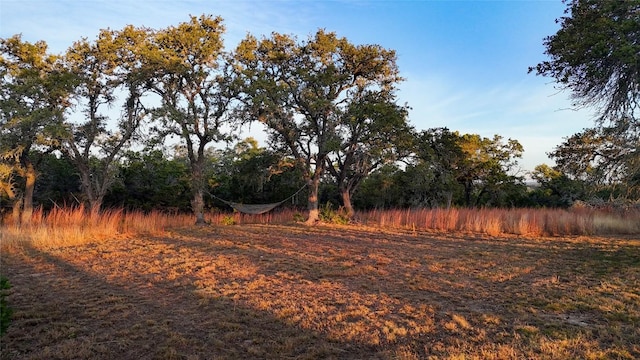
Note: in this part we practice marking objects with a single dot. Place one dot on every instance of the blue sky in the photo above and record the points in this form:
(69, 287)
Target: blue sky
(465, 62)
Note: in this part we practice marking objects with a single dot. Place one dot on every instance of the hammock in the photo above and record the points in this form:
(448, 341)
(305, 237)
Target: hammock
(256, 209)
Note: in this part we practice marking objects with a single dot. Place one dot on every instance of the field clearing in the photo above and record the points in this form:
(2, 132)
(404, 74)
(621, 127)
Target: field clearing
(343, 292)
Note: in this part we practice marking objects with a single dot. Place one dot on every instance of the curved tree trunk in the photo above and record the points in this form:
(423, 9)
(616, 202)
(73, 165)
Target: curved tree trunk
(346, 202)
(16, 209)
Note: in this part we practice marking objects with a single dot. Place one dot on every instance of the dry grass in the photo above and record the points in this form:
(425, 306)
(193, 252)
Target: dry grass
(141, 287)
(528, 222)
(74, 226)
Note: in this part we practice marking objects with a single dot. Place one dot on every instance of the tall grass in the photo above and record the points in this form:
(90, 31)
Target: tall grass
(75, 225)
(528, 222)
(71, 226)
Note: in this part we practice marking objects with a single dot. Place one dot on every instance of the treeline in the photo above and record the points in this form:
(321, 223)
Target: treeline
(69, 124)
(440, 174)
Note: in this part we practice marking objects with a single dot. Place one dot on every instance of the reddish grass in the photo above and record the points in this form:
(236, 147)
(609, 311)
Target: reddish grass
(70, 226)
(529, 222)
(331, 292)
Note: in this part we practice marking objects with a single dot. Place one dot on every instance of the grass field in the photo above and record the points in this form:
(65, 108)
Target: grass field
(289, 291)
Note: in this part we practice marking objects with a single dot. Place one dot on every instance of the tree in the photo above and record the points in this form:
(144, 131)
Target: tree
(600, 159)
(484, 170)
(8, 188)
(103, 70)
(383, 188)
(34, 95)
(301, 92)
(150, 181)
(188, 70)
(438, 152)
(248, 173)
(59, 184)
(595, 55)
(465, 169)
(373, 132)
(555, 189)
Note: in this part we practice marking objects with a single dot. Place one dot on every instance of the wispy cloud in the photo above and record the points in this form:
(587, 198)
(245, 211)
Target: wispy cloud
(529, 111)
(465, 66)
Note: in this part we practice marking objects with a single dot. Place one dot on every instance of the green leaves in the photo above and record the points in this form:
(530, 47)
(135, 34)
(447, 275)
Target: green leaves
(596, 55)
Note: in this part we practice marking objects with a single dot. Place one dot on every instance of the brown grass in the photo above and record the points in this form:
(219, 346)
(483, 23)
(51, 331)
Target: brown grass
(135, 286)
(73, 226)
(528, 222)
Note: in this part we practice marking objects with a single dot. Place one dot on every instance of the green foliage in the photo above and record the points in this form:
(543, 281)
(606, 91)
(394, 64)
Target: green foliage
(151, 181)
(606, 164)
(381, 189)
(374, 132)
(59, 183)
(297, 217)
(330, 215)
(228, 220)
(595, 54)
(5, 310)
(103, 69)
(35, 89)
(188, 70)
(302, 90)
(247, 173)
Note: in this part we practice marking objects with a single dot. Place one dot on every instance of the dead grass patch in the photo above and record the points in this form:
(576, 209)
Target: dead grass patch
(289, 291)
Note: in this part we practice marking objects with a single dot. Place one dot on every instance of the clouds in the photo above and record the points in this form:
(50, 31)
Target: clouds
(530, 111)
(465, 62)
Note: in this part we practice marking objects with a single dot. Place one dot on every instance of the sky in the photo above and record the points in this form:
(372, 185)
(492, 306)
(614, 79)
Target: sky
(465, 63)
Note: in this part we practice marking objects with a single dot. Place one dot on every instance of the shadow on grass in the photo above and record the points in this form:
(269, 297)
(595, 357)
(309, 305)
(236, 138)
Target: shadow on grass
(62, 311)
(295, 292)
(432, 291)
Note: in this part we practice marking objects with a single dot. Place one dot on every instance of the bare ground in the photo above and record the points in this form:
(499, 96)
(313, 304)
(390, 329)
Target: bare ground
(294, 292)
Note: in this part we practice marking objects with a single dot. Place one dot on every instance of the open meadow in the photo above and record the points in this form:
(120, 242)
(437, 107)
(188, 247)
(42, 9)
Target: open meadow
(154, 288)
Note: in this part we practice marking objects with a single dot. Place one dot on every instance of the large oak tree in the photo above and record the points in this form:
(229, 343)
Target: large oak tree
(374, 131)
(106, 79)
(34, 94)
(186, 66)
(302, 90)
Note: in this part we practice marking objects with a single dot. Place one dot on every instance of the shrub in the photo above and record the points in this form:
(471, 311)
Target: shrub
(329, 215)
(228, 220)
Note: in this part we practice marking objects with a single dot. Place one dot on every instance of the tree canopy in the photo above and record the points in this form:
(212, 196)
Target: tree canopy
(302, 90)
(111, 106)
(186, 67)
(596, 55)
(34, 94)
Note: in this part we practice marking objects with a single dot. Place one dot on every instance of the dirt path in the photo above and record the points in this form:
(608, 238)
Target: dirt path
(277, 292)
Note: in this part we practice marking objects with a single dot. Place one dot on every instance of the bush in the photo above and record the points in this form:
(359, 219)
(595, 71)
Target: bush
(228, 220)
(5, 311)
(329, 215)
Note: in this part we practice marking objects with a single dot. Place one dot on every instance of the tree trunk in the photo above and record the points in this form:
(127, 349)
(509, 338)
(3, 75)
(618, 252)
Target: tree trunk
(27, 201)
(16, 209)
(95, 204)
(198, 183)
(312, 201)
(449, 199)
(85, 180)
(468, 187)
(346, 202)
(197, 205)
